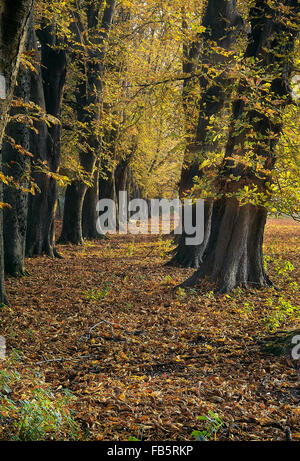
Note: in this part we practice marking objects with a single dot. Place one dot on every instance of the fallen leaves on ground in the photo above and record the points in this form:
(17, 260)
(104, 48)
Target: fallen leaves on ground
(143, 359)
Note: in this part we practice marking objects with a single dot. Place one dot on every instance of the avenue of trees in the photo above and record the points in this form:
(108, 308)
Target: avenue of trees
(157, 98)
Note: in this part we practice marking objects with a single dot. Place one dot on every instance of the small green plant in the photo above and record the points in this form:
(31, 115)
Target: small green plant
(164, 247)
(97, 295)
(212, 424)
(167, 280)
(5, 379)
(180, 293)
(294, 287)
(133, 439)
(280, 313)
(44, 416)
(40, 416)
(15, 356)
(130, 249)
(210, 295)
(281, 266)
(248, 308)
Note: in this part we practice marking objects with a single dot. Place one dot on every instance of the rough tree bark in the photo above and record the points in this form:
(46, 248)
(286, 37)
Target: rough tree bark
(14, 21)
(222, 24)
(88, 94)
(234, 254)
(16, 165)
(107, 183)
(47, 92)
(89, 212)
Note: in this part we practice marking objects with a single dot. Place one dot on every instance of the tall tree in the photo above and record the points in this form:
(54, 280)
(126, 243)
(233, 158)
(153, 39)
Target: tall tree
(89, 212)
(89, 97)
(221, 23)
(233, 255)
(14, 21)
(16, 166)
(47, 93)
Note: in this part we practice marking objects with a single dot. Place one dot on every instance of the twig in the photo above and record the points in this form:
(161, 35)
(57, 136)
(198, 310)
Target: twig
(99, 323)
(61, 359)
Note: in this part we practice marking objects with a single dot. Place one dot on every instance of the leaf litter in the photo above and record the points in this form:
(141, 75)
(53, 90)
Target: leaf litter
(144, 359)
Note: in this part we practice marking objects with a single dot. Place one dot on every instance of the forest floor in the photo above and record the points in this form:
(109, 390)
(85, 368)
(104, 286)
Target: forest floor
(159, 357)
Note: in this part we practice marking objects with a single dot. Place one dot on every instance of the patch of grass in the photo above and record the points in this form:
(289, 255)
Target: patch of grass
(167, 280)
(212, 423)
(37, 415)
(279, 313)
(97, 295)
(180, 293)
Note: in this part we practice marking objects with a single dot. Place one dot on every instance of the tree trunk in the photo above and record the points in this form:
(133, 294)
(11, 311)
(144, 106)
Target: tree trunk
(75, 192)
(89, 212)
(107, 184)
(74, 199)
(121, 173)
(72, 222)
(234, 252)
(233, 255)
(16, 165)
(47, 92)
(191, 255)
(14, 21)
(222, 23)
